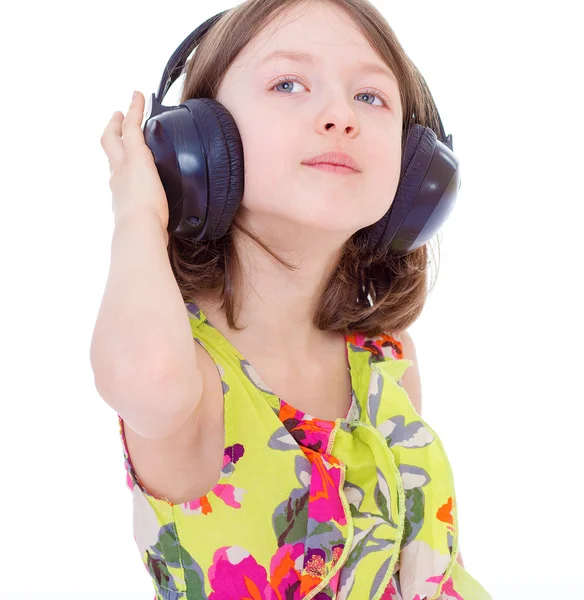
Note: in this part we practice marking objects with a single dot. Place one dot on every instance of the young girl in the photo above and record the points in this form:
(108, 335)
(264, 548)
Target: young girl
(283, 454)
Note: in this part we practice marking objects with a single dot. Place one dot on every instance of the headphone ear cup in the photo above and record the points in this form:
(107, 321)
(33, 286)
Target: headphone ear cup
(377, 235)
(426, 193)
(223, 153)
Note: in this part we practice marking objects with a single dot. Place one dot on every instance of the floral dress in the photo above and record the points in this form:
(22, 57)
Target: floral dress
(360, 508)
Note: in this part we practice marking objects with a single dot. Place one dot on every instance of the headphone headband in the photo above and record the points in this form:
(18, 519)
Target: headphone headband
(176, 63)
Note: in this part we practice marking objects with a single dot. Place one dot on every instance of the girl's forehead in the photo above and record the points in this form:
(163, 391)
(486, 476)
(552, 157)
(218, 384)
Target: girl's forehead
(307, 35)
(321, 19)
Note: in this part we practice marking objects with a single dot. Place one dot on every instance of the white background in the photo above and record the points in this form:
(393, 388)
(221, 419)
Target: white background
(499, 343)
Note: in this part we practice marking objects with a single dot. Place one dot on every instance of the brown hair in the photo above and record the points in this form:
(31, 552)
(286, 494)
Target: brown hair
(396, 285)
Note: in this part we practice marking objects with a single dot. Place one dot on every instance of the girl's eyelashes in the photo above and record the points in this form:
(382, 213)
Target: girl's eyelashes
(368, 92)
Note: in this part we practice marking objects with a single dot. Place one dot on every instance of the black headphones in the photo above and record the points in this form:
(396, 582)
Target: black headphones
(198, 152)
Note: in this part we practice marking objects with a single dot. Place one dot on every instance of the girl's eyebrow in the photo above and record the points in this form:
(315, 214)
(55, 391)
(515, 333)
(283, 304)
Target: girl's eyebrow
(309, 59)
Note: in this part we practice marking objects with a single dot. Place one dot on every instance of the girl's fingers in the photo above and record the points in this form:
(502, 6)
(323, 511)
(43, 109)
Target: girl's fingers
(124, 133)
(132, 125)
(111, 140)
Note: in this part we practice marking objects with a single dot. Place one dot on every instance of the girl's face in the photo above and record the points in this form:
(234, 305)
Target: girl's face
(335, 104)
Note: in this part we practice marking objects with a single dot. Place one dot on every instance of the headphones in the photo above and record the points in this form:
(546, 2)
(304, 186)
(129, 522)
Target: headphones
(198, 153)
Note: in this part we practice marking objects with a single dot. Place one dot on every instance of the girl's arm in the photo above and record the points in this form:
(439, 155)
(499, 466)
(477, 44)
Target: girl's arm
(142, 350)
(411, 378)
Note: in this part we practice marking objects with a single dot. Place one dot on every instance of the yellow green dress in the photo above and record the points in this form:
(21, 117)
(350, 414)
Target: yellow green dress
(360, 508)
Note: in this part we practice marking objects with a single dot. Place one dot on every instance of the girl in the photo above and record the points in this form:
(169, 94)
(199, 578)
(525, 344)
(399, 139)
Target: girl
(280, 456)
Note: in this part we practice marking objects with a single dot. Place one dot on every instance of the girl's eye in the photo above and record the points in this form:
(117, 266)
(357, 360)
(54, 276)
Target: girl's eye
(286, 81)
(369, 93)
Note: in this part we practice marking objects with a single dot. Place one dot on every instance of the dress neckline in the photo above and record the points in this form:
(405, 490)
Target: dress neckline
(267, 388)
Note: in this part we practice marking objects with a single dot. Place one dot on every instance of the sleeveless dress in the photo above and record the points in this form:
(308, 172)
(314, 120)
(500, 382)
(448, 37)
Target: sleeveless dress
(360, 508)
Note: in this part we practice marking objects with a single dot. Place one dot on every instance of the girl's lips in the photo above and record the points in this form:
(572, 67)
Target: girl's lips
(334, 157)
(333, 168)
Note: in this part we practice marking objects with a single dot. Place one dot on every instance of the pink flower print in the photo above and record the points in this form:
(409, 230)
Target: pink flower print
(325, 480)
(236, 574)
(285, 568)
(448, 592)
(337, 551)
(381, 345)
(390, 592)
(129, 481)
(226, 492)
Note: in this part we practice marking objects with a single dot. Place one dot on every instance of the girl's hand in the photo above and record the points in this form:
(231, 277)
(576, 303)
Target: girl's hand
(134, 179)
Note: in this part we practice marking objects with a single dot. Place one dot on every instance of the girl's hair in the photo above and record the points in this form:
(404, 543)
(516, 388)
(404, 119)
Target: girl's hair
(369, 293)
